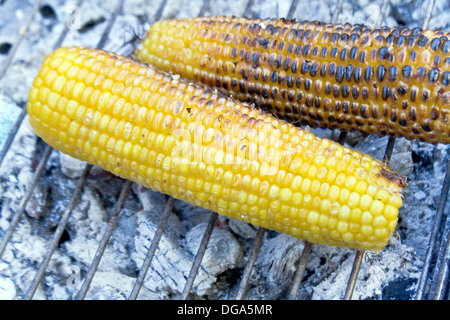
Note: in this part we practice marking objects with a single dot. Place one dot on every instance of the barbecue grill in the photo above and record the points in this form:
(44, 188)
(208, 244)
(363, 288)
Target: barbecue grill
(37, 224)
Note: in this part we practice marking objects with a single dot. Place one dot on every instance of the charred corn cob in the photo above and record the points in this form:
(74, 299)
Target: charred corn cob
(188, 141)
(381, 81)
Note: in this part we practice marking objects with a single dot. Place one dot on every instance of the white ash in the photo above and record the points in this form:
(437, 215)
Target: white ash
(391, 274)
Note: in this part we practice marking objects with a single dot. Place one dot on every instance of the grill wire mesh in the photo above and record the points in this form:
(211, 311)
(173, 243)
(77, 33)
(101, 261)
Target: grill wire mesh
(433, 281)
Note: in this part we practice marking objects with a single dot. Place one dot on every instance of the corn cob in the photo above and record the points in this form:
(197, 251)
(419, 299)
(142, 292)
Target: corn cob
(353, 78)
(188, 141)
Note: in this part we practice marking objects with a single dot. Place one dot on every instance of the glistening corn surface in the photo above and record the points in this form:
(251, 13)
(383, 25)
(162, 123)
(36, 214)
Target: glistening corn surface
(188, 141)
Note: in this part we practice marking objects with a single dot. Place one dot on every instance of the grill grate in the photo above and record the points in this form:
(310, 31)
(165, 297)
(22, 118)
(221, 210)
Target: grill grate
(437, 256)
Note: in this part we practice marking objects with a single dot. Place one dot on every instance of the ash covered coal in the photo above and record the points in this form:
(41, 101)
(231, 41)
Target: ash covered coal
(391, 274)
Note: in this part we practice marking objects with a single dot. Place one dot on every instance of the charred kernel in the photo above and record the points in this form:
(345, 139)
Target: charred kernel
(368, 73)
(433, 75)
(402, 120)
(436, 61)
(392, 73)
(348, 72)
(340, 74)
(365, 93)
(381, 72)
(323, 70)
(435, 43)
(274, 76)
(423, 41)
(265, 92)
(287, 64)
(386, 92)
(383, 53)
(331, 69)
(421, 73)
(364, 111)
(345, 91)
(290, 81)
(413, 56)
(362, 56)
(242, 85)
(400, 41)
(445, 78)
(333, 53)
(355, 92)
(343, 55)
(294, 66)
(357, 74)
(314, 69)
(273, 93)
(323, 52)
(336, 91)
(327, 88)
(426, 126)
(406, 72)
(306, 50)
(279, 62)
(425, 95)
(290, 48)
(404, 104)
(445, 47)
(345, 107)
(413, 114)
(402, 90)
(413, 94)
(393, 117)
(307, 84)
(434, 114)
(306, 67)
(353, 53)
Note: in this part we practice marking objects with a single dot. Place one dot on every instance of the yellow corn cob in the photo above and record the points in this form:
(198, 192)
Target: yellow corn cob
(186, 140)
(382, 81)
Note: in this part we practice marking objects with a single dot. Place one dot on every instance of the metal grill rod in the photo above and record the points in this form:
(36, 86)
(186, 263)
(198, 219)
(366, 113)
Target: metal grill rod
(151, 251)
(58, 233)
(199, 256)
(214, 216)
(298, 278)
(360, 253)
(300, 270)
(66, 216)
(23, 113)
(441, 274)
(16, 218)
(104, 242)
(16, 45)
(162, 225)
(257, 242)
(434, 233)
(250, 263)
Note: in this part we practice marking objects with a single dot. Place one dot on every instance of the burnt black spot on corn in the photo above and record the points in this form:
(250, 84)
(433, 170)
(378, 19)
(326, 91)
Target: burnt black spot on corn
(295, 68)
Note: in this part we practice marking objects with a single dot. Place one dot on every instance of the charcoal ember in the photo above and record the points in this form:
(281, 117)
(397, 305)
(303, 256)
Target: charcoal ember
(242, 229)
(172, 261)
(149, 199)
(222, 253)
(37, 205)
(275, 267)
